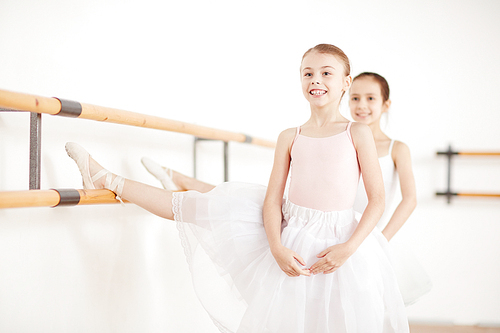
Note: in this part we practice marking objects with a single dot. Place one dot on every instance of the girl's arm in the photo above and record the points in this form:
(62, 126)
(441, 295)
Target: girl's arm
(374, 184)
(286, 258)
(335, 256)
(402, 161)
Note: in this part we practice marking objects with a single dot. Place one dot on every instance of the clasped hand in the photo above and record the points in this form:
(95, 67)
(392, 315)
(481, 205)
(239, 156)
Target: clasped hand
(330, 260)
(288, 259)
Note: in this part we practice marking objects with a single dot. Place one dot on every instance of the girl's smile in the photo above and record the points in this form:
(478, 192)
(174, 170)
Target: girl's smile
(366, 102)
(323, 79)
(317, 92)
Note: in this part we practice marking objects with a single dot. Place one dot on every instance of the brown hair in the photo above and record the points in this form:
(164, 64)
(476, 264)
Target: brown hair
(382, 82)
(335, 51)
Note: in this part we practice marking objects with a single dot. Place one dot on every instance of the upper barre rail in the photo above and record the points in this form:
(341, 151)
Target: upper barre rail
(61, 107)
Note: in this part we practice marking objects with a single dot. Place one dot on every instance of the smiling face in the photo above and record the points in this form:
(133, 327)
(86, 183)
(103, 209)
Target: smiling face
(323, 79)
(366, 102)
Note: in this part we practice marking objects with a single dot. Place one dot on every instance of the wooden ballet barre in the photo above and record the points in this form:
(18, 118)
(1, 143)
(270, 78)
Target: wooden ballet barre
(469, 153)
(489, 195)
(61, 107)
(55, 197)
(470, 194)
(478, 153)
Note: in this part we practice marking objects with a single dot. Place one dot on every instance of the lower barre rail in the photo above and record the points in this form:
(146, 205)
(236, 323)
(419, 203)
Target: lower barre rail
(470, 194)
(55, 197)
(489, 195)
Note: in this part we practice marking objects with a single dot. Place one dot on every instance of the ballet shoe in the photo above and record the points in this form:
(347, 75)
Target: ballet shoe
(164, 175)
(82, 160)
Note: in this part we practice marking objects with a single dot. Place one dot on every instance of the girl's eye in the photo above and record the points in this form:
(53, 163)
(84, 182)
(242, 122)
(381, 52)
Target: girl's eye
(307, 74)
(371, 98)
(354, 99)
(327, 73)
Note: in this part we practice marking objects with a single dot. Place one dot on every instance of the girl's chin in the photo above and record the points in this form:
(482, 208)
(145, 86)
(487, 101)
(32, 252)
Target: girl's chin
(317, 102)
(362, 120)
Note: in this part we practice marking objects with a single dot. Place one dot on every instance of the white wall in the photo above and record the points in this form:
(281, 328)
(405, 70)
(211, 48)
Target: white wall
(233, 65)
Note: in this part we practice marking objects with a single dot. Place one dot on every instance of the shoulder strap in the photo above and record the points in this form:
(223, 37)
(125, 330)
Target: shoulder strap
(390, 147)
(296, 135)
(348, 131)
(293, 143)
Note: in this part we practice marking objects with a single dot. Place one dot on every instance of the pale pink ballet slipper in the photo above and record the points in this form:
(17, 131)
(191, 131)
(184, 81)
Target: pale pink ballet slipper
(164, 175)
(82, 160)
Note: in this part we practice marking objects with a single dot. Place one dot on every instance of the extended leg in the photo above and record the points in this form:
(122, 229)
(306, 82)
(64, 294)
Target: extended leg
(153, 199)
(173, 180)
(189, 183)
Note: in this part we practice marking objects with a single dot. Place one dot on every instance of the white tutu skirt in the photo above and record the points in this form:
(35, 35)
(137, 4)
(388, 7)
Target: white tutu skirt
(413, 280)
(242, 287)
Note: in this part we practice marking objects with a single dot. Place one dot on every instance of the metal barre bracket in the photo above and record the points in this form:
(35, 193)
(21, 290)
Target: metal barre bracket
(35, 148)
(226, 153)
(69, 108)
(68, 197)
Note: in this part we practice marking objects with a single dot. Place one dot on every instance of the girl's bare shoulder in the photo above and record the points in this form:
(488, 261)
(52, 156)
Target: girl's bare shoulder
(289, 132)
(286, 137)
(360, 131)
(400, 146)
(400, 150)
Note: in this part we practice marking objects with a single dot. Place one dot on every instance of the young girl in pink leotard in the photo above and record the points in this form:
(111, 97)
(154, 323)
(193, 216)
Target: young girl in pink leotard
(303, 264)
(368, 101)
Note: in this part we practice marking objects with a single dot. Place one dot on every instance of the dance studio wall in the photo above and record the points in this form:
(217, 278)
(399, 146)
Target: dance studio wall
(232, 65)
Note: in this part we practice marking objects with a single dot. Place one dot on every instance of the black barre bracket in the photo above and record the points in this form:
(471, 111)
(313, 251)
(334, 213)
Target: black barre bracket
(68, 197)
(226, 158)
(449, 154)
(69, 108)
(35, 147)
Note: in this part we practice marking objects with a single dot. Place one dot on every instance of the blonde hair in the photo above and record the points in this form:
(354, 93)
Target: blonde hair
(335, 51)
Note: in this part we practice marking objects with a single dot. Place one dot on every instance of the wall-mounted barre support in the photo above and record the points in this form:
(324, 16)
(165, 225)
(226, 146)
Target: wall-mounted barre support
(449, 153)
(449, 193)
(226, 157)
(35, 152)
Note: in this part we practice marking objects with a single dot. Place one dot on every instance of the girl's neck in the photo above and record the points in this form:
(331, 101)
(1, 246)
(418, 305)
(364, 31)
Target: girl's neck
(324, 116)
(377, 131)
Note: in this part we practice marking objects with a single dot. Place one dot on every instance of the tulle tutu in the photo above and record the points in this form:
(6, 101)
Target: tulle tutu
(242, 287)
(413, 280)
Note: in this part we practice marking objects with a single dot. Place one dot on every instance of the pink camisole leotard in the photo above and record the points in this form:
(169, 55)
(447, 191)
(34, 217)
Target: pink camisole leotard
(324, 172)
